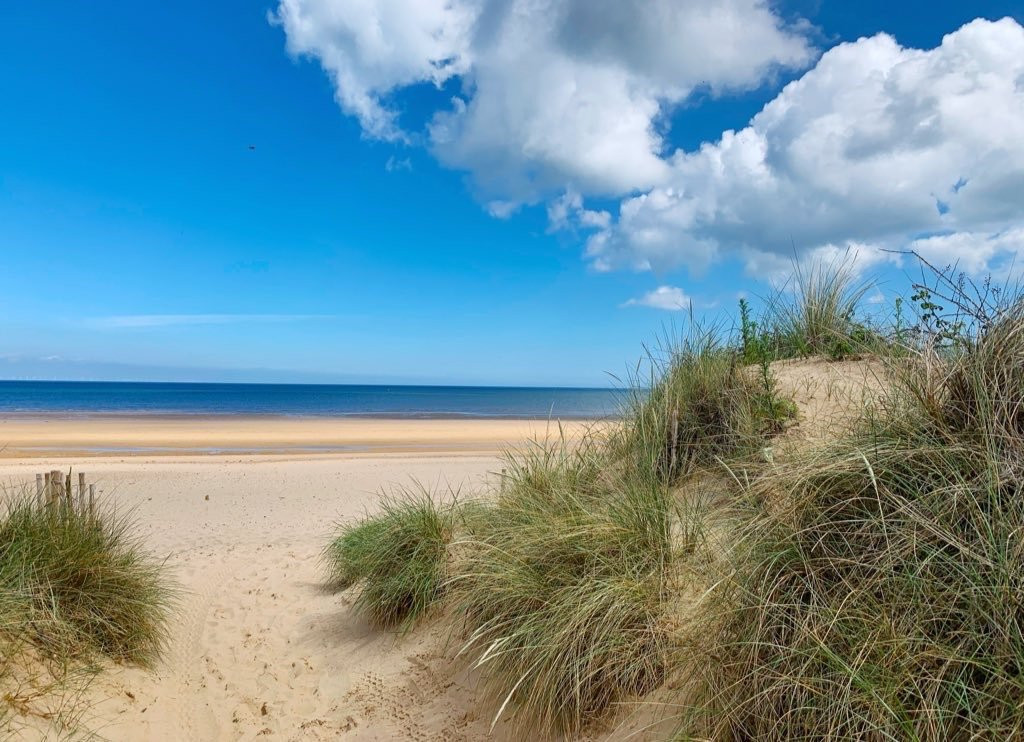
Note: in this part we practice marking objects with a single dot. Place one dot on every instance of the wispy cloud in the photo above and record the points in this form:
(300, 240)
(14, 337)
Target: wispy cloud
(395, 164)
(122, 321)
(672, 298)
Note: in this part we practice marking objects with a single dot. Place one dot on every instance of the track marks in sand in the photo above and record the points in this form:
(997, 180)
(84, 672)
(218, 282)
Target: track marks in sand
(237, 666)
(257, 648)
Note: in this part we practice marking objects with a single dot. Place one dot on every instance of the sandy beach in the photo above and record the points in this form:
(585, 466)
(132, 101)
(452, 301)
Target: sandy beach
(35, 436)
(258, 648)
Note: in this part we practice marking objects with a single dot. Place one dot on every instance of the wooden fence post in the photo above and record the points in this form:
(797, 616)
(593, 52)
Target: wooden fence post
(81, 492)
(92, 499)
(55, 487)
(39, 490)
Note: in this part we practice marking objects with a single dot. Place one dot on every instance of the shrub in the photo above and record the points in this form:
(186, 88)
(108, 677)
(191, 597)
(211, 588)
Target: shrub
(397, 559)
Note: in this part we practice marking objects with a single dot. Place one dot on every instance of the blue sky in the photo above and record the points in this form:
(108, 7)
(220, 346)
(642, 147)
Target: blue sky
(201, 191)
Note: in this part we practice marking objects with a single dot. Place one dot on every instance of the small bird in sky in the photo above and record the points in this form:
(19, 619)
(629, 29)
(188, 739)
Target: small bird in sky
(252, 147)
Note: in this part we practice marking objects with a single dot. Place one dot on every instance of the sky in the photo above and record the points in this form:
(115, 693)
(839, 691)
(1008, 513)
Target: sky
(498, 192)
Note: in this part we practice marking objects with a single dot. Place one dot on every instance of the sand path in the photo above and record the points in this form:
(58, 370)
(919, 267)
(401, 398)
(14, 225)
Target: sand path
(258, 648)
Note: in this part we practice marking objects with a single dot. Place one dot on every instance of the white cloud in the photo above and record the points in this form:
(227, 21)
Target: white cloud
(874, 146)
(858, 258)
(372, 47)
(971, 252)
(555, 94)
(395, 164)
(664, 297)
(567, 212)
(170, 320)
(877, 146)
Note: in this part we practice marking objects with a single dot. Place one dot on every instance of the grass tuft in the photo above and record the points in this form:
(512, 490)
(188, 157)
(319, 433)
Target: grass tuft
(79, 584)
(397, 559)
(702, 405)
(817, 313)
(74, 587)
(562, 587)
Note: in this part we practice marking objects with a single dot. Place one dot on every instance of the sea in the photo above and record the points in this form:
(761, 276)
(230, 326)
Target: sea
(101, 398)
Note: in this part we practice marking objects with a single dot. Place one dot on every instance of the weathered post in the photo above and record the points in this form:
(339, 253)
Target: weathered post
(81, 492)
(92, 499)
(39, 490)
(57, 486)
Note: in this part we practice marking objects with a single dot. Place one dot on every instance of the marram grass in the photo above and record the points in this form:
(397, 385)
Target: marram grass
(702, 405)
(397, 559)
(881, 597)
(871, 588)
(82, 583)
(562, 587)
(74, 587)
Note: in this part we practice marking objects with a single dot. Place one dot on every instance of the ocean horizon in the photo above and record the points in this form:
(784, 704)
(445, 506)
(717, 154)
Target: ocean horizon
(97, 398)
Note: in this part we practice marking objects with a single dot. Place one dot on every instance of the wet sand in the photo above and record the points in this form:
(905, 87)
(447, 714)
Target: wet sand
(45, 437)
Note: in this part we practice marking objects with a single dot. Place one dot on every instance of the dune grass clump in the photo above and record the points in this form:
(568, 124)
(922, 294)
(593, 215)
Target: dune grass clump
(397, 559)
(79, 584)
(975, 386)
(880, 595)
(702, 405)
(74, 587)
(563, 586)
(816, 314)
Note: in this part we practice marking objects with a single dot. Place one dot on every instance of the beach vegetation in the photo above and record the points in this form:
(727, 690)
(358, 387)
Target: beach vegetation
(865, 586)
(562, 586)
(701, 404)
(396, 559)
(878, 596)
(76, 587)
(80, 583)
(816, 312)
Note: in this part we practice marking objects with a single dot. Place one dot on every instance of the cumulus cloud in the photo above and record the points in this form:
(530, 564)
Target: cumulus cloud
(973, 252)
(664, 297)
(778, 268)
(554, 94)
(876, 146)
(372, 47)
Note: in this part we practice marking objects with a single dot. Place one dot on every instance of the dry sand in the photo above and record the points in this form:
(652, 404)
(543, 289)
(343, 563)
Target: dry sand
(257, 648)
